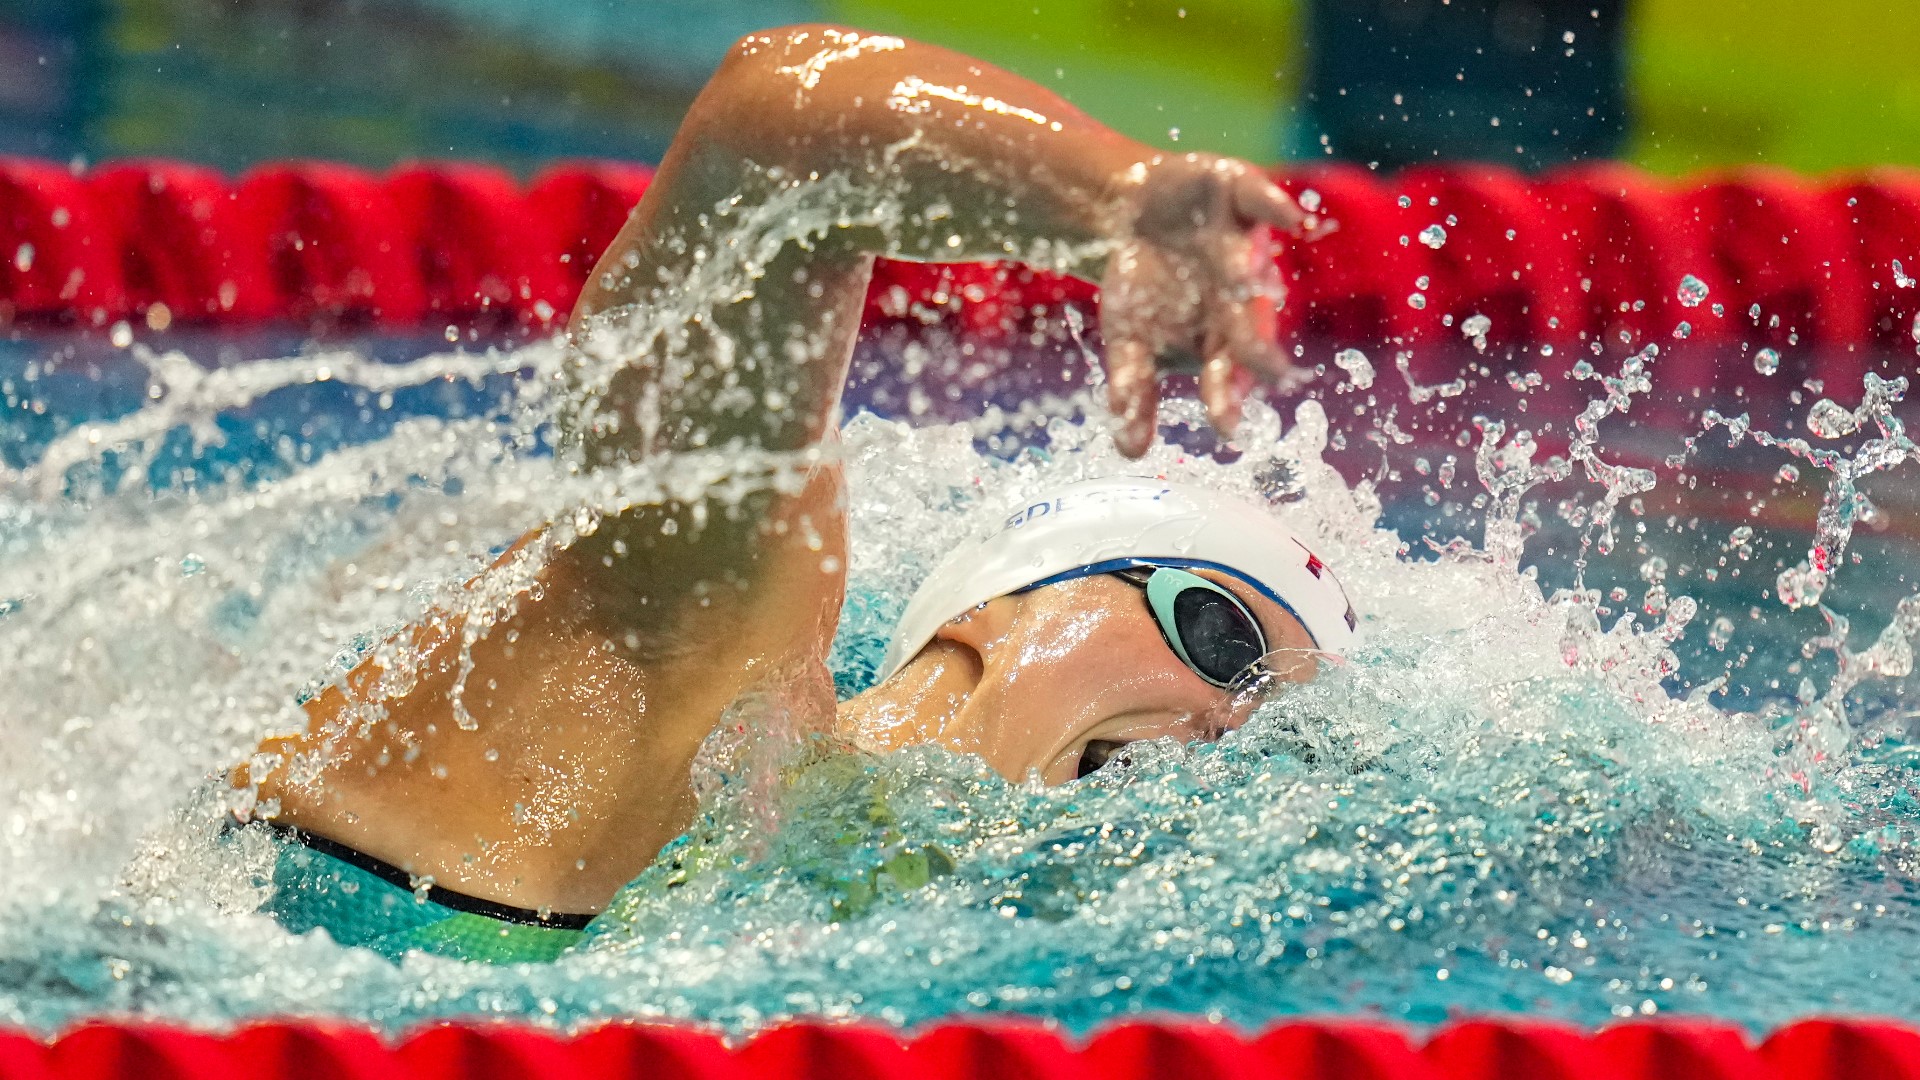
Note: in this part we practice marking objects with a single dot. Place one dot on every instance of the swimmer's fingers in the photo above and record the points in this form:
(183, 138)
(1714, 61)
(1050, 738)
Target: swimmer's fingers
(1133, 393)
(1223, 385)
(1259, 201)
(1251, 337)
(1244, 324)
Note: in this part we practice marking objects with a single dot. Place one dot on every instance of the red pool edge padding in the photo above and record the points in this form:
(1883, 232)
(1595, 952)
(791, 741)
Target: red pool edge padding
(1817, 1049)
(1565, 256)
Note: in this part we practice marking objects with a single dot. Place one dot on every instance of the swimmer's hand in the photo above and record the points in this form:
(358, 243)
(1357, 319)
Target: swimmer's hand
(1191, 286)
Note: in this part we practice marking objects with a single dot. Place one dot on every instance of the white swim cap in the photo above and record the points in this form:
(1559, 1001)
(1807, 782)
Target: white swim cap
(1130, 517)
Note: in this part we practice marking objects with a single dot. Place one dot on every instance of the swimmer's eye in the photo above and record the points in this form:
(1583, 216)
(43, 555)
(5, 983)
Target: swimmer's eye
(1098, 753)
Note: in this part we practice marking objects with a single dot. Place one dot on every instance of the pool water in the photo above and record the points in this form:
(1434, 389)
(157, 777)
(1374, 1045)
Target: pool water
(1587, 765)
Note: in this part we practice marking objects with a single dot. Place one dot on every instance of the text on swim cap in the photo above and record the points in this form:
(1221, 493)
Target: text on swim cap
(1043, 509)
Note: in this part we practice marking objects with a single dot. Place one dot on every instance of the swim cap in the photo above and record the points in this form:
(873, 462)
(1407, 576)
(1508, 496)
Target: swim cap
(1125, 517)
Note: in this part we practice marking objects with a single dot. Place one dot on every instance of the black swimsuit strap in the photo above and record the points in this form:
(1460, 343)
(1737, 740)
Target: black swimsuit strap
(436, 894)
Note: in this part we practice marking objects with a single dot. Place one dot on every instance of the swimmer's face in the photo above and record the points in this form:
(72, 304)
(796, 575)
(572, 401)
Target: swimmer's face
(1058, 677)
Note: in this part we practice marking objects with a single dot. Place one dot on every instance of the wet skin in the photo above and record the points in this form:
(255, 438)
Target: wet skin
(1029, 681)
(589, 703)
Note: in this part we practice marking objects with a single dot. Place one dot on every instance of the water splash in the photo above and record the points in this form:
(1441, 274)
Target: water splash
(1844, 504)
(1499, 804)
(1618, 482)
(1418, 394)
(1358, 368)
(1475, 329)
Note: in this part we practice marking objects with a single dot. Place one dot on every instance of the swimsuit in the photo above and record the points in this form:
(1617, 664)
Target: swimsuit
(361, 901)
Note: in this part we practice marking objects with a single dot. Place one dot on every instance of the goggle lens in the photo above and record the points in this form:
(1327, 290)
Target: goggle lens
(1218, 636)
(1206, 626)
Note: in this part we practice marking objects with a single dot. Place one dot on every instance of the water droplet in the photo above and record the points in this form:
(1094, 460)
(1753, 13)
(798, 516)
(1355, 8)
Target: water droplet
(1356, 365)
(1422, 281)
(1434, 236)
(23, 258)
(1310, 201)
(121, 335)
(1692, 291)
(191, 564)
(1829, 419)
(1405, 201)
(1800, 586)
(1766, 361)
(1900, 277)
(1741, 535)
(1720, 634)
(1173, 133)
(1680, 612)
(1417, 301)
(1789, 473)
(1476, 326)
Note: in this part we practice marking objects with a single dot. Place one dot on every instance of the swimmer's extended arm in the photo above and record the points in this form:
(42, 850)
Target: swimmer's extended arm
(726, 309)
(894, 148)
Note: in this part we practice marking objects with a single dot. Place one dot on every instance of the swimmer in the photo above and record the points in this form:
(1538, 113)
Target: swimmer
(1108, 612)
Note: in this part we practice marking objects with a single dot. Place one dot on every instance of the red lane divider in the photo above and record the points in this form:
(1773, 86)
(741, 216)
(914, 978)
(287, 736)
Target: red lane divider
(581, 207)
(1825, 1048)
(60, 254)
(1583, 252)
(992, 1050)
(172, 227)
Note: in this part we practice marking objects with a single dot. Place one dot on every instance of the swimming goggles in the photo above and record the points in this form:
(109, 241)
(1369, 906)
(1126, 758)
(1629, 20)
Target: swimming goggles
(1206, 626)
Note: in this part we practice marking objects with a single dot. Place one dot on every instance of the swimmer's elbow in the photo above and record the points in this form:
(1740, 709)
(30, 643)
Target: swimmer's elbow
(768, 58)
(805, 98)
(821, 68)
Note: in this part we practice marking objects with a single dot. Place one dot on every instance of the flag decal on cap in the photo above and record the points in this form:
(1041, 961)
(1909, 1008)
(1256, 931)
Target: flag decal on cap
(1314, 565)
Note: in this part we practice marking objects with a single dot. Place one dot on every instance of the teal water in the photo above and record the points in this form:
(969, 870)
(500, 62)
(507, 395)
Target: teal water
(1517, 797)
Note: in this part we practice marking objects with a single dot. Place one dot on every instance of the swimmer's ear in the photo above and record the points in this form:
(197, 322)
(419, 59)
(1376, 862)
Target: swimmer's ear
(962, 642)
(979, 628)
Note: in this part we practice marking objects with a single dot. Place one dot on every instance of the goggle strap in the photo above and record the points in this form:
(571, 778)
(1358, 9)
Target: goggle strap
(1109, 566)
